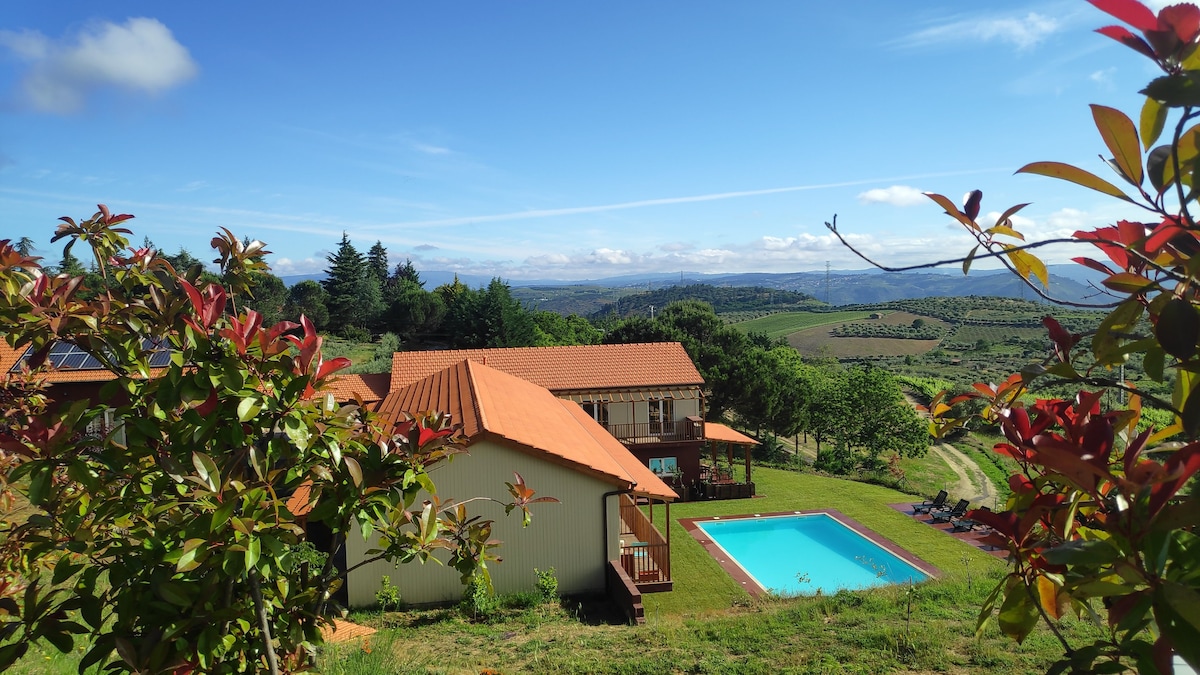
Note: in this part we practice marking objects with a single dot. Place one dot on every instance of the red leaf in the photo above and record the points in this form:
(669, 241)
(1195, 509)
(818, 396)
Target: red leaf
(1182, 18)
(1092, 264)
(971, 208)
(1180, 466)
(331, 366)
(1122, 35)
(1163, 234)
(1130, 11)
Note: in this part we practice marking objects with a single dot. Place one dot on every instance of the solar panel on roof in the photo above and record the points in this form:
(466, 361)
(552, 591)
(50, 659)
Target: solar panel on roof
(67, 356)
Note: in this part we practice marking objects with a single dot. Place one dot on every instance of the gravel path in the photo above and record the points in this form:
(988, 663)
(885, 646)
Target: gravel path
(973, 484)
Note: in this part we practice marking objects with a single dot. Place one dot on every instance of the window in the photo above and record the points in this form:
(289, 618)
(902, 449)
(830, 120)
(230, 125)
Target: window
(598, 411)
(662, 415)
(664, 466)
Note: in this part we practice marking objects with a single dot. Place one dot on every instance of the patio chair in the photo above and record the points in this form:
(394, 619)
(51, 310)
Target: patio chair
(945, 515)
(965, 523)
(929, 504)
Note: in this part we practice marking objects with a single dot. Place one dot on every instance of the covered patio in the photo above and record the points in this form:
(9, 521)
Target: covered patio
(732, 478)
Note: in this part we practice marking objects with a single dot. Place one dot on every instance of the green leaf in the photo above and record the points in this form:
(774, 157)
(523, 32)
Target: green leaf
(1120, 136)
(206, 468)
(1178, 329)
(1075, 175)
(1154, 116)
(1182, 622)
(1128, 282)
(1082, 552)
(61, 640)
(248, 408)
(1153, 361)
(253, 552)
(222, 514)
(39, 483)
(173, 592)
(1174, 91)
(1017, 615)
(1156, 167)
(969, 260)
(355, 470)
(187, 561)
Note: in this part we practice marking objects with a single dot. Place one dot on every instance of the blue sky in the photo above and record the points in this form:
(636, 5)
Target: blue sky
(559, 140)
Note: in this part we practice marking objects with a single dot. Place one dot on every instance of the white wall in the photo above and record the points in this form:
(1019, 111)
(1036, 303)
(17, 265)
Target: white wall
(567, 536)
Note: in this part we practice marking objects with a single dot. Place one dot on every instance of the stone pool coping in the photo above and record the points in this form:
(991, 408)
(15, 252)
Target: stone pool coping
(734, 570)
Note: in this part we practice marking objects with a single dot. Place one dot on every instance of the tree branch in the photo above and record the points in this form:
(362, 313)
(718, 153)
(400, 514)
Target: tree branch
(264, 623)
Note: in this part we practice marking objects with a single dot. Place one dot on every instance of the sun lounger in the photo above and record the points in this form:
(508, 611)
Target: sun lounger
(929, 504)
(945, 515)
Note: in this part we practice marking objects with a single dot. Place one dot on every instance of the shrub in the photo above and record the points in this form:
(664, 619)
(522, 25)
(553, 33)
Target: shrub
(479, 600)
(547, 583)
(388, 596)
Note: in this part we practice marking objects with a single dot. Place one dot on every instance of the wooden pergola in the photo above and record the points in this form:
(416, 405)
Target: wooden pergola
(717, 434)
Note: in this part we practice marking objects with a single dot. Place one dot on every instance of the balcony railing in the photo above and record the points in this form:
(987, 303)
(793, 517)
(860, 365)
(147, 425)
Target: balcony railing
(658, 432)
(647, 560)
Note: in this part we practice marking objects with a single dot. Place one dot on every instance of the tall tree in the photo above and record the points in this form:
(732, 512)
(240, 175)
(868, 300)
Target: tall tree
(308, 298)
(355, 300)
(406, 272)
(377, 263)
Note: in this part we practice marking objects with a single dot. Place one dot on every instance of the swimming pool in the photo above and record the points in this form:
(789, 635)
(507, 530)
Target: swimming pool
(802, 553)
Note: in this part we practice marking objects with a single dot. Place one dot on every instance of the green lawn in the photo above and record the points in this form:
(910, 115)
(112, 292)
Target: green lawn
(701, 586)
(709, 625)
(784, 324)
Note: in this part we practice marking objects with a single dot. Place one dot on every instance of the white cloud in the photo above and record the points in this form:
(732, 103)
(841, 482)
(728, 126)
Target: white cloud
(896, 195)
(1104, 77)
(1023, 32)
(431, 149)
(284, 267)
(140, 55)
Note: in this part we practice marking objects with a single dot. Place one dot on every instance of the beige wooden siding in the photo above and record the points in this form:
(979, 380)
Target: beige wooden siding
(566, 536)
(687, 407)
(620, 413)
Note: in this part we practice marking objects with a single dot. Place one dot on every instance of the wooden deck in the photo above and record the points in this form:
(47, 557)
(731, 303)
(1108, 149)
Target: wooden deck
(645, 553)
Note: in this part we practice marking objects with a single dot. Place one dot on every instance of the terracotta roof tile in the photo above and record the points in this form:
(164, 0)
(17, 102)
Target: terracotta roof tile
(10, 356)
(719, 432)
(567, 368)
(371, 387)
(491, 404)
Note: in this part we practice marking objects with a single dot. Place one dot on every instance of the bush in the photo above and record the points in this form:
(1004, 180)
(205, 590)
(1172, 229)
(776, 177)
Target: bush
(356, 334)
(388, 596)
(389, 343)
(479, 600)
(547, 583)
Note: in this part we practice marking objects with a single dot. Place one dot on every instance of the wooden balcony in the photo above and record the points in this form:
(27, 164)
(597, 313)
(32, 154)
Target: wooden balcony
(690, 429)
(645, 553)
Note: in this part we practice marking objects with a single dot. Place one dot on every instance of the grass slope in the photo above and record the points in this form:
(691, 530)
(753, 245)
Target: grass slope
(786, 323)
(710, 625)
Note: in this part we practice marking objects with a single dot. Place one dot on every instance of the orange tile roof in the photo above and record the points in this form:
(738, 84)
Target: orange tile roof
(494, 405)
(371, 387)
(719, 432)
(567, 368)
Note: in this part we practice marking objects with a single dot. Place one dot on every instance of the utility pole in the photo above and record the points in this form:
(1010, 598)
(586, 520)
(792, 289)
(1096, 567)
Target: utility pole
(651, 311)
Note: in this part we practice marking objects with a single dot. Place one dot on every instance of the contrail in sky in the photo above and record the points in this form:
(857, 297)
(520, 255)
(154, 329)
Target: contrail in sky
(550, 213)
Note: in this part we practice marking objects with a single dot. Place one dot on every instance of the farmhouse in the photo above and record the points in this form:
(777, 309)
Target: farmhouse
(514, 425)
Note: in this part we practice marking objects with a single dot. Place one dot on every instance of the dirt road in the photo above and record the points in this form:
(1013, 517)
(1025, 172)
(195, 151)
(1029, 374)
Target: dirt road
(973, 484)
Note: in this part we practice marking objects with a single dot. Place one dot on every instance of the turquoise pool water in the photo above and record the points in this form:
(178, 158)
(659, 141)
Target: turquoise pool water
(799, 554)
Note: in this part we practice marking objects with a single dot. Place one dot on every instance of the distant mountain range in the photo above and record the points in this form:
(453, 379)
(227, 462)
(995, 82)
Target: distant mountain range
(1073, 283)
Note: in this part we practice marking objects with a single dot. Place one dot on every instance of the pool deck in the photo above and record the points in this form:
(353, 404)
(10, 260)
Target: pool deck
(750, 585)
(972, 537)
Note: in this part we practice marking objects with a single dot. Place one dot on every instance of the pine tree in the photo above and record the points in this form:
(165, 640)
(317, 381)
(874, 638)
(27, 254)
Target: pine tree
(406, 272)
(354, 297)
(377, 263)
